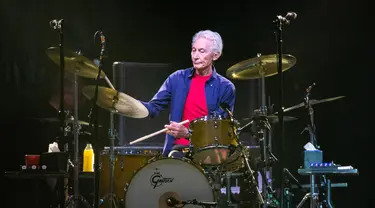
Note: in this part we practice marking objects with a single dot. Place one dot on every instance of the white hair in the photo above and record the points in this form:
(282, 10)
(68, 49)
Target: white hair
(217, 46)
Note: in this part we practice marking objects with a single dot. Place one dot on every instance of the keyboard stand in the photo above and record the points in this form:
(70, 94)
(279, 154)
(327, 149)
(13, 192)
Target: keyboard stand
(322, 172)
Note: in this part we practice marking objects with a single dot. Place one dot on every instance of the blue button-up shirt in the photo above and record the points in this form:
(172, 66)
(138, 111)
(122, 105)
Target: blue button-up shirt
(174, 91)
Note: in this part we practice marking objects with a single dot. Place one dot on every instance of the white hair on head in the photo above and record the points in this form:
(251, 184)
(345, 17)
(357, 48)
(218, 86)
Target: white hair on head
(217, 46)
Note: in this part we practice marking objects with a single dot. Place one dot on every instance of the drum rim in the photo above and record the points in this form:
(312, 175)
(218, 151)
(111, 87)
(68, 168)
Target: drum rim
(207, 118)
(200, 168)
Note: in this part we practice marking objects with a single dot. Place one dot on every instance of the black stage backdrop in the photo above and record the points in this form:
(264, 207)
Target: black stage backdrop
(329, 39)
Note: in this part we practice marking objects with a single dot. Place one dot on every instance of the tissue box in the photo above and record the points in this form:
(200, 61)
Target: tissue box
(55, 161)
(312, 156)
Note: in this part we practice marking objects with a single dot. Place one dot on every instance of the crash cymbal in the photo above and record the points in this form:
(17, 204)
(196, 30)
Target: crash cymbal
(313, 102)
(253, 68)
(118, 102)
(75, 63)
(275, 118)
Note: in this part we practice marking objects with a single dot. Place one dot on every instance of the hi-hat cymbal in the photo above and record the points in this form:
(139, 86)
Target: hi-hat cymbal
(253, 68)
(68, 121)
(313, 102)
(275, 118)
(117, 102)
(75, 63)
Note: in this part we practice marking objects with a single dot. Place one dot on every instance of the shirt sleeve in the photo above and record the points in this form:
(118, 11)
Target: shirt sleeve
(161, 99)
(228, 97)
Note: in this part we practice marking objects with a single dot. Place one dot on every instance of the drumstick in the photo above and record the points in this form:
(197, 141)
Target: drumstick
(109, 83)
(155, 133)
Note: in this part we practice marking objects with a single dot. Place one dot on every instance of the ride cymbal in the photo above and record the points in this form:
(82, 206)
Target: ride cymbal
(75, 63)
(118, 102)
(313, 102)
(253, 68)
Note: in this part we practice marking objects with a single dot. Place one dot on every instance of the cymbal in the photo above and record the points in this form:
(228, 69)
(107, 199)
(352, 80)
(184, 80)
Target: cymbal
(75, 63)
(313, 102)
(253, 68)
(275, 119)
(118, 102)
(68, 120)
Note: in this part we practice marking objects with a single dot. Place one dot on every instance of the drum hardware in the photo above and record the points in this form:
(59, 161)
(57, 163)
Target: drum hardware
(288, 194)
(313, 102)
(253, 185)
(76, 129)
(253, 182)
(173, 202)
(313, 195)
(266, 156)
(75, 63)
(111, 196)
(57, 25)
(260, 67)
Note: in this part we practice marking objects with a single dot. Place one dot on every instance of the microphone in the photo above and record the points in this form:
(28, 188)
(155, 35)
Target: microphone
(288, 17)
(172, 202)
(226, 107)
(306, 99)
(56, 24)
(102, 38)
(308, 90)
(291, 16)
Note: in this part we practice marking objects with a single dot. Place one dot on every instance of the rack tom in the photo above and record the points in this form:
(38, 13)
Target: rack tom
(213, 138)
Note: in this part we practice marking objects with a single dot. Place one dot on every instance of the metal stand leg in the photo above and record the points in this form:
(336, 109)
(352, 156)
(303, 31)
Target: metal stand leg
(312, 195)
(111, 197)
(76, 128)
(329, 202)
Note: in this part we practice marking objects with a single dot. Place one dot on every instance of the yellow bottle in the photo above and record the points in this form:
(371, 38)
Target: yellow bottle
(88, 159)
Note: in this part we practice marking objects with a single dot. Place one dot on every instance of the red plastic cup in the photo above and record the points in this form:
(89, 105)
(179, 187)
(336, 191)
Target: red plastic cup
(32, 160)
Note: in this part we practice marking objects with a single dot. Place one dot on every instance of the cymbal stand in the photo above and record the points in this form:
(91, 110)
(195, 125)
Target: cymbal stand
(250, 172)
(262, 125)
(113, 199)
(76, 129)
(314, 201)
(262, 128)
(94, 110)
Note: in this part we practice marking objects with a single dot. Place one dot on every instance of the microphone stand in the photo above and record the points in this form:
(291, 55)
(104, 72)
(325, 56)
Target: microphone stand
(94, 109)
(58, 26)
(279, 39)
(311, 128)
(279, 22)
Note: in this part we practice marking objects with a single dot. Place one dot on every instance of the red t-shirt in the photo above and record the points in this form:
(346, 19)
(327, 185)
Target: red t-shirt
(195, 104)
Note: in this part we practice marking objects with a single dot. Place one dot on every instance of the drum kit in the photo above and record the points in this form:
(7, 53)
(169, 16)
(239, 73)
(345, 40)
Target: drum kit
(138, 176)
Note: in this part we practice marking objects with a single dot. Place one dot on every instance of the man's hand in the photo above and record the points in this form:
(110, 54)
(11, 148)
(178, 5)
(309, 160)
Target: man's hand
(177, 130)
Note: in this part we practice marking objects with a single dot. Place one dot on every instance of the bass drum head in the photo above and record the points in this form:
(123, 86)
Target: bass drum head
(168, 176)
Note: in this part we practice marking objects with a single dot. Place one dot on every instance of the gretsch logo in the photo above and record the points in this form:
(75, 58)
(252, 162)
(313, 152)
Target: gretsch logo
(157, 179)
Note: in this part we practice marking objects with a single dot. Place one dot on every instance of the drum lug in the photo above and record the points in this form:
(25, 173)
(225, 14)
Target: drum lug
(126, 187)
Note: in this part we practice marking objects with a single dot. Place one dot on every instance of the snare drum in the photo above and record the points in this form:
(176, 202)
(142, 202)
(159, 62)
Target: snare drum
(154, 183)
(127, 161)
(212, 139)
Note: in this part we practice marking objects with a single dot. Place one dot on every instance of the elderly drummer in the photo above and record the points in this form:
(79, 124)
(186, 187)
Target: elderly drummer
(193, 92)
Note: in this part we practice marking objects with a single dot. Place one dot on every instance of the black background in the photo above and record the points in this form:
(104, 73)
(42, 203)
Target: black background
(330, 39)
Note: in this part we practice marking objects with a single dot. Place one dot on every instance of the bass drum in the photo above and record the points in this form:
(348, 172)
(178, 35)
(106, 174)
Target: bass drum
(154, 183)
